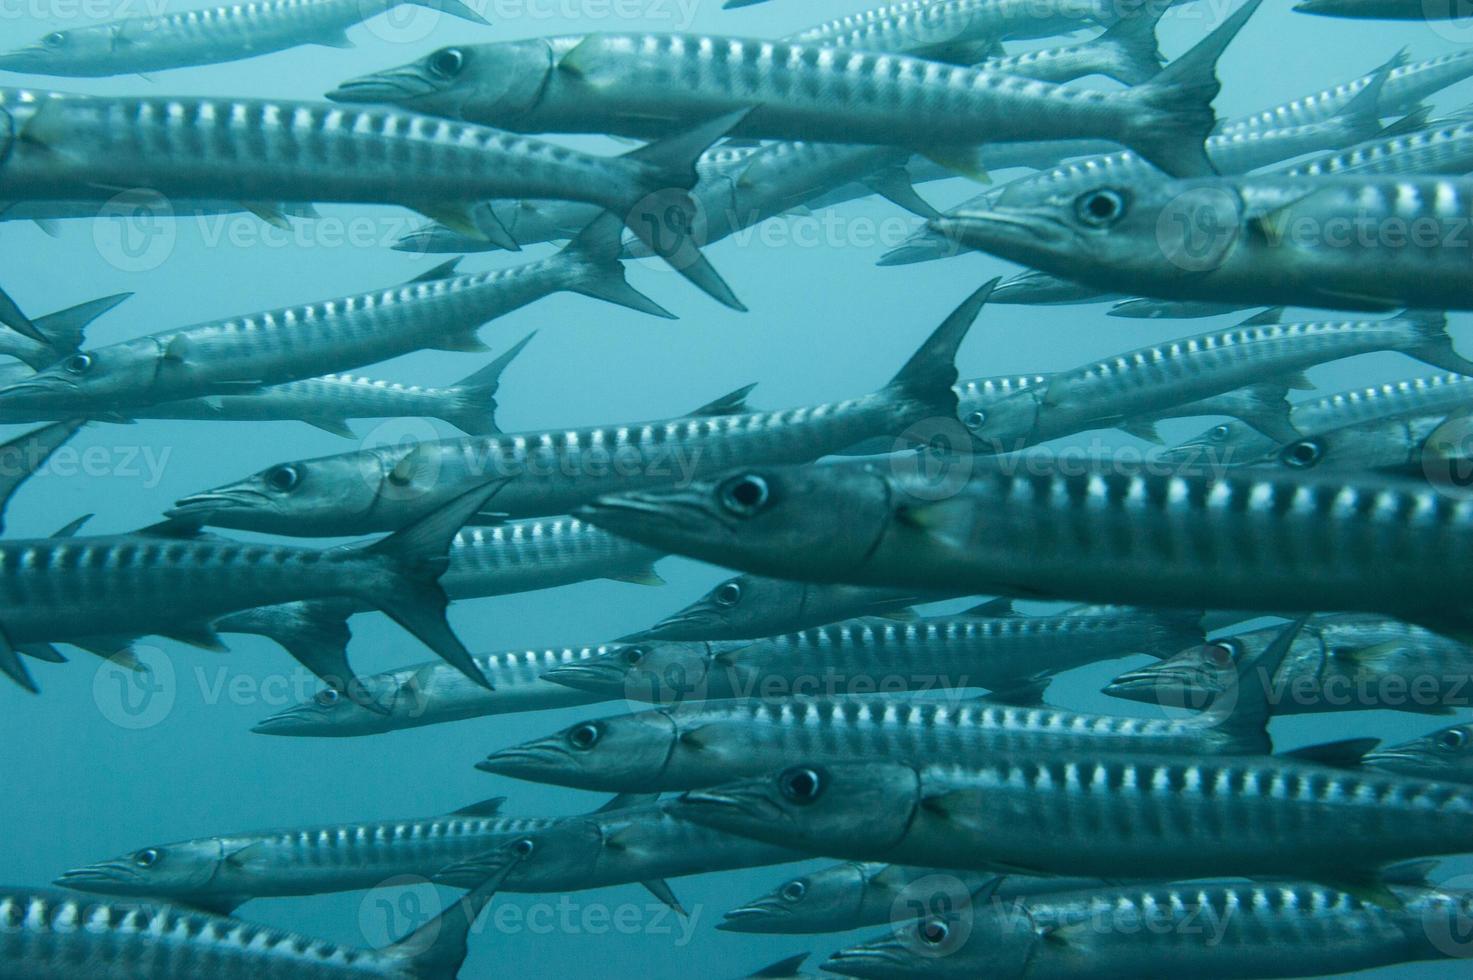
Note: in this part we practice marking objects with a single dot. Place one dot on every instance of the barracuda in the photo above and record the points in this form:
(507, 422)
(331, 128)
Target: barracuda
(329, 402)
(618, 845)
(219, 874)
(1210, 930)
(1154, 379)
(551, 472)
(1103, 531)
(642, 84)
(1099, 815)
(1445, 755)
(204, 37)
(70, 147)
(50, 935)
(64, 589)
(62, 332)
(749, 607)
(960, 28)
(705, 744)
(429, 694)
(1229, 443)
(1438, 149)
(14, 317)
(1407, 85)
(1126, 52)
(1355, 243)
(1339, 663)
(1409, 446)
(863, 656)
(240, 355)
(526, 222)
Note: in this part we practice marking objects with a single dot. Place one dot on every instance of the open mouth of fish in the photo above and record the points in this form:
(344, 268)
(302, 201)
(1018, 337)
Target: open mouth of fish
(521, 760)
(861, 961)
(743, 919)
(984, 228)
(586, 676)
(1149, 684)
(97, 876)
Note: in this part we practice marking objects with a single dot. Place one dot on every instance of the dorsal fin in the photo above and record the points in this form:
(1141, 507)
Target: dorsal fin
(734, 403)
(991, 609)
(445, 270)
(625, 801)
(782, 968)
(1269, 316)
(70, 529)
(485, 808)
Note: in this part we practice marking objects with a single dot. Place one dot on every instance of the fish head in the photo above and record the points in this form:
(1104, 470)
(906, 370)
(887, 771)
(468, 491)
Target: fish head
(799, 522)
(828, 900)
(1110, 234)
(80, 52)
(851, 809)
(547, 859)
(655, 671)
(1195, 678)
(1225, 444)
(622, 754)
(1004, 424)
(492, 84)
(105, 379)
(332, 714)
(180, 871)
(973, 941)
(320, 497)
(1445, 755)
(743, 607)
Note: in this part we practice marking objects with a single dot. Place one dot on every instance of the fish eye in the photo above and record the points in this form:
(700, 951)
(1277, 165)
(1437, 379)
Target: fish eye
(328, 697)
(584, 737)
(933, 932)
(801, 785)
(728, 594)
(283, 478)
(976, 420)
(1100, 208)
(745, 495)
(524, 847)
(1452, 740)
(1219, 433)
(793, 891)
(633, 655)
(447, 63)
(148, 857)
(1223, 654)
(77, 364)
(1303, 454)
(54, 40)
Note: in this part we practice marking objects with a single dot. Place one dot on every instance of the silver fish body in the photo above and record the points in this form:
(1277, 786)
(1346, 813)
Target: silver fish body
(203, 37)
(690, 746)
(1232, 443)
(1442, 149)
(1409, 444)
(1211, 930)
(639, 85)
(749, 607)
(1346, 662)
(1099, 815)
(1158, 378)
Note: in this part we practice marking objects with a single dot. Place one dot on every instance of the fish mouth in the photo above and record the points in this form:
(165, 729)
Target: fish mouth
(306, 720)
(1389, 755)
(987, 230)
(877, 960)
(385, 86)
(763, 915)
(1147, 684)
(203, 506)
(39, 390)
(696, 619)
(534, 762)
(587, 677)
(1181, 454)
(23, 59)
(645, 517)
(103, 877)
(728, 809)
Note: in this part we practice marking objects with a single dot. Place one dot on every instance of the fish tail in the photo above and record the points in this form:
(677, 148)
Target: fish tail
(1172, 131)
(1132, 45)
(601, 273)
(473, 398)
(456, 8)
(928, 377)
(66, 330)
(437, 950)
(1268, 410)
(667, 218)
(1436, 347)
(1361, 116)
(12, 667)
(410, 593)
(315, 633)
